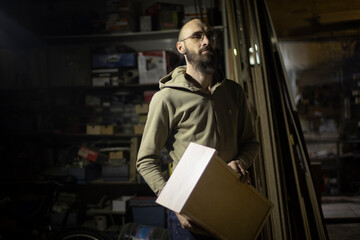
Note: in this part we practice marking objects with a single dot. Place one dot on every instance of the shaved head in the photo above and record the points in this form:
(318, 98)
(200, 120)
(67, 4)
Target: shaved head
(188, 27)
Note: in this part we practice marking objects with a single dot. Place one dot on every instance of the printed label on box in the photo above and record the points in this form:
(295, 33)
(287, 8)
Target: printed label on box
(152, 66)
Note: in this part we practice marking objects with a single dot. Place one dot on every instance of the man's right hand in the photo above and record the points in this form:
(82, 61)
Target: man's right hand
(186, 224)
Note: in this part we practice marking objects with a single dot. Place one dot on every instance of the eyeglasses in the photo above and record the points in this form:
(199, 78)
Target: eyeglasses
(199, 36)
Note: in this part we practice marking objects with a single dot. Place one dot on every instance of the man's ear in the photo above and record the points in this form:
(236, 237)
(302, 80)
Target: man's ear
(180, 47)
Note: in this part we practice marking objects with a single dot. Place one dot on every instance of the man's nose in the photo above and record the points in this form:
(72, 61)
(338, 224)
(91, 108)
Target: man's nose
(205, 40)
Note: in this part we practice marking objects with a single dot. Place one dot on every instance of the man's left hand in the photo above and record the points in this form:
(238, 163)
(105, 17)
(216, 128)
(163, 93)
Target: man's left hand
(240, 168)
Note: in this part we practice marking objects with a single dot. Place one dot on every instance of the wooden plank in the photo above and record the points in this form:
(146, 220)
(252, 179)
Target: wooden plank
(205, 189)
(272, 171)
(134, 145)
(295, 211)
(233, 40)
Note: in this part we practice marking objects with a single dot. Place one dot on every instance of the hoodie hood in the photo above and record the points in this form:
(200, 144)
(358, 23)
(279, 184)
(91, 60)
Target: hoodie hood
(176, 79)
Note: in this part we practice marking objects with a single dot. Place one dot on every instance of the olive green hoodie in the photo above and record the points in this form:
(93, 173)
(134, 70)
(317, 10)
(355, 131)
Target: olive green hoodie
(181, 113)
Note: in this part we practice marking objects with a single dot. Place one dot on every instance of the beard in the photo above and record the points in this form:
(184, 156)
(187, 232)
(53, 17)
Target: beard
(203, 62)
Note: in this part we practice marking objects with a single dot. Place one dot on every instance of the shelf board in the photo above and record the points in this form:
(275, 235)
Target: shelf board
(101, 181)
(113, 35)
(124, 35)
(81, 135)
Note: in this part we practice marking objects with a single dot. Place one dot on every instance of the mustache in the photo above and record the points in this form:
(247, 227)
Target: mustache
(207, 48)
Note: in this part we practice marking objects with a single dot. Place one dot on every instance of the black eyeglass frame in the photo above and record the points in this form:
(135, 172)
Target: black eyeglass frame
(211, 35)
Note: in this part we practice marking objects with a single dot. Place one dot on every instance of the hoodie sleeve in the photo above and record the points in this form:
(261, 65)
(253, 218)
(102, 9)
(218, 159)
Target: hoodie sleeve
(153, 140)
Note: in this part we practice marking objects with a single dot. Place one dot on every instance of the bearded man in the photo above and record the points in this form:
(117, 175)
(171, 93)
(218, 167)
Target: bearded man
(196, 104)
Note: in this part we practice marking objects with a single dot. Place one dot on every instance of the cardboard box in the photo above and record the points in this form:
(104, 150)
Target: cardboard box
(120, 22)
(116, 155)
(203, 188)
(101, 81)
(165, 15)
(113, 60)
(119, 6)
(153, 65)
(92, 154)
(142, 108)
(107, 130)
(99, 129)
(142, 118)
(191, 12)
(105, 77)
(145, 24)
(93, 129)
(139, 128)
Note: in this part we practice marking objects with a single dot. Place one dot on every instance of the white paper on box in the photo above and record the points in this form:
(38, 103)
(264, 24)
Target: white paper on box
(179, 187)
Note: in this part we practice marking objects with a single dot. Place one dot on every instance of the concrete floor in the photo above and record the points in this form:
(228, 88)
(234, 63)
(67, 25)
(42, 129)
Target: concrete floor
(342, 217)
(348, 231)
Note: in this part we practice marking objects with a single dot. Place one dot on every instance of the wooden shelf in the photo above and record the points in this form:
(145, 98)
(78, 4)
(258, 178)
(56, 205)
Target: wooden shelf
(101, 181)
(125, 35)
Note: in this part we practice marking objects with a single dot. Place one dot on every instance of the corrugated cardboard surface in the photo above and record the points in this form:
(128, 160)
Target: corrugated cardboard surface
(218, 201)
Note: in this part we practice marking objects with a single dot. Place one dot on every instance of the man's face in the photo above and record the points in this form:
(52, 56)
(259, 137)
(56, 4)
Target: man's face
(199, 47)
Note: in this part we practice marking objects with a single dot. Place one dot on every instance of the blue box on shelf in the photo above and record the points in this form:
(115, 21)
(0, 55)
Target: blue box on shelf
(114, 60)
(85, 174)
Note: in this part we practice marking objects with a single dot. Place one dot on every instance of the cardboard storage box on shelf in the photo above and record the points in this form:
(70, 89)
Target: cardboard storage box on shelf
(120, 22)
(165, 15)
(142, 111)
(139, 128)
(116, 155)
(92, 154)
(120, 16)
(119, 5)
(145, 24)
(99, 129)
(105, 77)
(142, 118)
(142, 108)
(153, 65)
(191, 12)
(210, 193)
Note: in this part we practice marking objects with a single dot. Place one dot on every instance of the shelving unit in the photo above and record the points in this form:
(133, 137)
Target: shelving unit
(45, 117)
(61, 78)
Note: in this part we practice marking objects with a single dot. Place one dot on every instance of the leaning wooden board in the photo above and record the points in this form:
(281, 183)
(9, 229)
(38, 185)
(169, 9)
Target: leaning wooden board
(205, 189)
